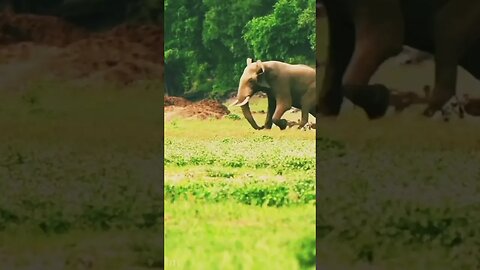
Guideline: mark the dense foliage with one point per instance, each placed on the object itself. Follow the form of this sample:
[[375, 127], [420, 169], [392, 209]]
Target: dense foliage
[[207, 42]]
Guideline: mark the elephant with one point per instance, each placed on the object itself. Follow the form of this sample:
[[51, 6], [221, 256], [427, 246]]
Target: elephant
[[286, 85], [365, 33]]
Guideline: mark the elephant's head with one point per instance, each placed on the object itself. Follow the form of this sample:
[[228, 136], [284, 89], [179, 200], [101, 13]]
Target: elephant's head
[[253, 79]]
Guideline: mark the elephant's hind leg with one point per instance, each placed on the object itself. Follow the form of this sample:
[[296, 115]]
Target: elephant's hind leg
[[307, 105]]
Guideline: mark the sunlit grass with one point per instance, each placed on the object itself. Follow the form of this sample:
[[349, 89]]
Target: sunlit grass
[[235, 236], [237, 198], [80, 174], [404, 194], [214, 129]]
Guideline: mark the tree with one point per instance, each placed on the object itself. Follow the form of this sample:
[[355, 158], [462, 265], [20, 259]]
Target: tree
[[222, 34], [287, 34], [207, 42], [183, 43]]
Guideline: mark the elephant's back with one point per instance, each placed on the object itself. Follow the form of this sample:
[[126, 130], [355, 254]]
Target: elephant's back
[[304, 69], [290, 69]]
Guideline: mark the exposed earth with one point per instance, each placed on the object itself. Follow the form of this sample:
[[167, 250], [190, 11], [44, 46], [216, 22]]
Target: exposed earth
[[179, 107], [204, 109], [34, 46]]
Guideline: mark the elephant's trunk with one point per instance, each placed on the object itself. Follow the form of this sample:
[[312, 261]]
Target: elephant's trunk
[[245, 92], [248, 115]]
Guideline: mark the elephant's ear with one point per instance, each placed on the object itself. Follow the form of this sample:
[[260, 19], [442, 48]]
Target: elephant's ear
[[262, 67], [249, 61]]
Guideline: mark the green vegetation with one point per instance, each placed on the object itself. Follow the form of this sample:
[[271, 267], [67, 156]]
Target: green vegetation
[[266, 30], [80, 177], [237, 236], [236, 198], [399, 197], [239, 199]]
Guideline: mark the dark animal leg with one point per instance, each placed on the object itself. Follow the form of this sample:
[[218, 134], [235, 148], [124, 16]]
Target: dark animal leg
[[307, 104], [277, 116], [456, 32], [271, 109], [340, 49], [375, 42], [377, 38], [445, 79], [461, 112]]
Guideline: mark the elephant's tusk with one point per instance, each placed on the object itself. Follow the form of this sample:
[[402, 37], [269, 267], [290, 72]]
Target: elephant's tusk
[[243, 102], [235, 102]]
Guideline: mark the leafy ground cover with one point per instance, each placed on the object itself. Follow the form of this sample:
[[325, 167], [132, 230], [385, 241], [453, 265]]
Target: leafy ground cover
[[403, 195], [80, 177], [236, 198]]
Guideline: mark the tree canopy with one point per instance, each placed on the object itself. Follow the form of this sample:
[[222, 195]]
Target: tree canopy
[[207, 42]]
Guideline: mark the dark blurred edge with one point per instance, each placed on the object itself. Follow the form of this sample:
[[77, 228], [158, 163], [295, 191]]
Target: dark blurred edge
[[320, 12], [93, 15]]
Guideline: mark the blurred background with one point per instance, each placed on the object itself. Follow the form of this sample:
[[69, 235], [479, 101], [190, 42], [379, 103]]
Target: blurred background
[[80, 40], [81, 126]]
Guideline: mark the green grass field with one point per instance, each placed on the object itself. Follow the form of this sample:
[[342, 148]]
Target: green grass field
[[404, 192], [237, 198], [397, 193], [80, 175]]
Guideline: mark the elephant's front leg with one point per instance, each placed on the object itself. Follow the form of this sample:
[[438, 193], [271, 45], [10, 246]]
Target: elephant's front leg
[[373, 45], [340, 50], [277, 115], [270, 111]]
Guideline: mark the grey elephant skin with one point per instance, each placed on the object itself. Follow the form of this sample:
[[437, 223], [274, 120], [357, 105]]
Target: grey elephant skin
[[286, 85], [364, 33]]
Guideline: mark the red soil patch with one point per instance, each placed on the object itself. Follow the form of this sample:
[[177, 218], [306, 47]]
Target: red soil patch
[[45, 30], [203, 109], [125, 54], [176, 101]]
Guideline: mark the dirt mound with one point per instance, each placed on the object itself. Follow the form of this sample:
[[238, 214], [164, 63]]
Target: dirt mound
[[203, 109], [176, 101], [21, 51], [150, 36], [108, 58], [45, 30], [123, 55]]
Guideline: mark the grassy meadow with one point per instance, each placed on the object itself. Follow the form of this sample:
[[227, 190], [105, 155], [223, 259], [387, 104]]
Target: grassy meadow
[[80, 175], [402, 195], [404, 191], [396, 193], [81, 170], [236, 198]]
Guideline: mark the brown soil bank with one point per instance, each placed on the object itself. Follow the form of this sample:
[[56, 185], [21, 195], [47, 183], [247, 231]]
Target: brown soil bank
[[124, 54], [203, 109]]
